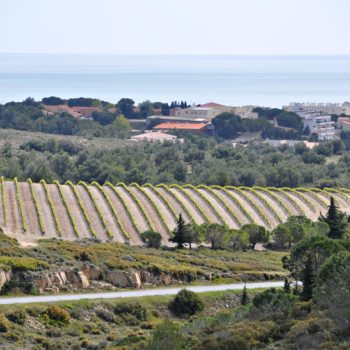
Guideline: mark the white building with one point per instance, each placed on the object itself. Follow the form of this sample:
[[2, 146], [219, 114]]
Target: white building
[[323, 108], [209, 111], [322, 125]]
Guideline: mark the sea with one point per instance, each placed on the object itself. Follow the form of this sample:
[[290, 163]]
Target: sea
[[235, 80]]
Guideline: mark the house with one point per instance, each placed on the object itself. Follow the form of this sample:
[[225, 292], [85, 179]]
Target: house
[[189, 127], [323, 108]]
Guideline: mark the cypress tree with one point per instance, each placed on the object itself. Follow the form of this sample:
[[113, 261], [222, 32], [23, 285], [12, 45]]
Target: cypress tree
[[244, 297], [308, 280], [179, 236], [336, 221]]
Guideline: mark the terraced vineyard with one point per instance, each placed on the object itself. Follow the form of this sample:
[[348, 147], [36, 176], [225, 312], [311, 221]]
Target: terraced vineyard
[[31, 211]]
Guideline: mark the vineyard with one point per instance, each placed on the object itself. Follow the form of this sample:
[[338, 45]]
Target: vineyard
[[31, 211]]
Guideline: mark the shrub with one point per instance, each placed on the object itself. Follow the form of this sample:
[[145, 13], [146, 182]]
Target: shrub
[[5, 325], [105, 314], [17, 316], [59, 314], [133, 309], [152, 239], [186, 303]]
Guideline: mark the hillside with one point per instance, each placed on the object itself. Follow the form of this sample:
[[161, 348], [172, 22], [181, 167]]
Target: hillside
[[31, 211]]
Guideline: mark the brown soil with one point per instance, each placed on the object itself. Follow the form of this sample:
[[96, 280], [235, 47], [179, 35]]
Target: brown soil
[[14, 222]]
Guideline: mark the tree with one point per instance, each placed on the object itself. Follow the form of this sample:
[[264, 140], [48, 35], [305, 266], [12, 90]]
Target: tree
[[216, 234], [122, 125], [318, 248], [152, 239], [165, 110], [126, 107], [186, 303], [256, 233], [237, 239], [227, 125], [282, 236], [179, 234], [167, 335], [332, 292], [193, 234], [308, 280], [244, 297], [336, 220]]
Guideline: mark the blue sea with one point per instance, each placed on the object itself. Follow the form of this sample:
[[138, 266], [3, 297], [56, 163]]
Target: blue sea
[[235, 80]]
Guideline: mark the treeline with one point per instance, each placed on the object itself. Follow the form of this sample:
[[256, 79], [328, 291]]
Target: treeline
[[200, 160]]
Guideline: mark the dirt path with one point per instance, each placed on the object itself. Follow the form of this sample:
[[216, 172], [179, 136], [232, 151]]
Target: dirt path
[[29, 210], [67, 229], [133, 208], [191, 208], [229, 220], [319, 207], [107, 214], [230, 203], [248, 207], [124, 216], [46, 214], [281, 212], [167, 214], [174, 203], [92, 213], [152, 214], [13, 214], [79, 219]]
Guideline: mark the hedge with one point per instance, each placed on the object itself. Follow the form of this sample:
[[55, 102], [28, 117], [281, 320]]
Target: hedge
[[20, 205]]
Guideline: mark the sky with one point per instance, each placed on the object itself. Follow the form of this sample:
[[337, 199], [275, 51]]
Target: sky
[[232, 27]]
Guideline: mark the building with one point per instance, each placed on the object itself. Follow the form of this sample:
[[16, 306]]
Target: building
[[323, 108], [322, 125], [190, 127], [155, 136], [290, 143], [343, 123], [210, 110]]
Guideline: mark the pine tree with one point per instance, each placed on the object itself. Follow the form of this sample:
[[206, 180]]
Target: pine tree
[[286, 286], [180, 235], [308, 280], [336, 221], [244, 297]]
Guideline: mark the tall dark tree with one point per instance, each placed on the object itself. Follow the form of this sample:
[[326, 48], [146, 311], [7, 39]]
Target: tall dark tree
[[308, 280], [179, 234], [126, 107], [244, 297], [336, 221]]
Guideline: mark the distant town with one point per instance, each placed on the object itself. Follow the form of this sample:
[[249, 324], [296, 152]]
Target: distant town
[[159, 122]]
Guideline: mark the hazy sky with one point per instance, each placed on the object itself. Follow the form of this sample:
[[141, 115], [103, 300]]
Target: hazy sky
[[175, 26]]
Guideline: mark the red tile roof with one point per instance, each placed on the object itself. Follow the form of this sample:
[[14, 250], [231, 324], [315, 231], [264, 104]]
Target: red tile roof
[[181, 126]]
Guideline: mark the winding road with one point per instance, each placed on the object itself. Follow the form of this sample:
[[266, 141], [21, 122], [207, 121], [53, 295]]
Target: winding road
[[134, 294]]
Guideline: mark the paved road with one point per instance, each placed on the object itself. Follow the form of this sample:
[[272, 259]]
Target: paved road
[[133, 294]]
